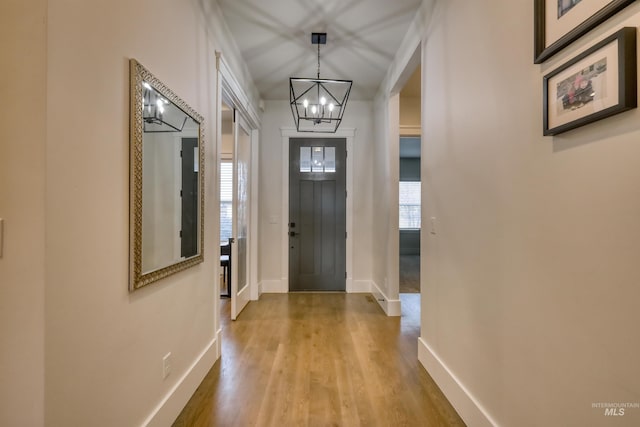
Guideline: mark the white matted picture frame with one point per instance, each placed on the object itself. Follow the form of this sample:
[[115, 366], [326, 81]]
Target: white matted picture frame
[[598, 83], [558, 23]]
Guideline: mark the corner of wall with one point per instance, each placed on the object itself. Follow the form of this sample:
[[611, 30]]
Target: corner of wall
[[464, 403], [175, 400], [392, 308]]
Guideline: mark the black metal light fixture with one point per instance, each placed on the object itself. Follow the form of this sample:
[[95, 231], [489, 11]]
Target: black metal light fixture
[[318, 104], [160, 114]]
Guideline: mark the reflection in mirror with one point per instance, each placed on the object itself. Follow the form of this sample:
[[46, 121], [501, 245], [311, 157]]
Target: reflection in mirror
[[166, 181]]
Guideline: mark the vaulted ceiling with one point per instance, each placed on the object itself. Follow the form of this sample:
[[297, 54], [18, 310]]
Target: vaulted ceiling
[[274, 37]]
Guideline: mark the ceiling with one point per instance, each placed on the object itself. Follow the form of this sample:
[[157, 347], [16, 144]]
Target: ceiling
[[274, 38]]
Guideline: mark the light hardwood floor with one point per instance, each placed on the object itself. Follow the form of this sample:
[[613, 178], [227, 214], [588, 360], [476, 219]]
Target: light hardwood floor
[[305, 359]]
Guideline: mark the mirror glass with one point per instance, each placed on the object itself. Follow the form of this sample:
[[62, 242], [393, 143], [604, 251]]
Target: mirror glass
[[167, 177]]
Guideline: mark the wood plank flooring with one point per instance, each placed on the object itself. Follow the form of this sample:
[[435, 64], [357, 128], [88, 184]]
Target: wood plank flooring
[[309, 359], [409, 274]]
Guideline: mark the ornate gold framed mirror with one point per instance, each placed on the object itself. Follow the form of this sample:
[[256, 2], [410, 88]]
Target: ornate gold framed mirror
[[166, 218]]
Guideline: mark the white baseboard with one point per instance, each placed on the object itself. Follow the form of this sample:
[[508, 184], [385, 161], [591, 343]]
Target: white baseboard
[[394, 308], [174, 401], [391, 307], [464, 403], [281, 286], [218, 344], [359, 286]]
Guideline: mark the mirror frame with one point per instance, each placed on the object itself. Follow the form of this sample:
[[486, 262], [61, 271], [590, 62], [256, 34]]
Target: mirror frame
[[137, 278]]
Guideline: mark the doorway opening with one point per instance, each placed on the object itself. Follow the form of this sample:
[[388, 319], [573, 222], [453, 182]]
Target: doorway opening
[[235, 208], [226, 199], [317, 214], [409, 214], [347, 135], [409, 190]]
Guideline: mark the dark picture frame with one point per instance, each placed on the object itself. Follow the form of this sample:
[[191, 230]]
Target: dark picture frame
[[543, 49], [587, 88]]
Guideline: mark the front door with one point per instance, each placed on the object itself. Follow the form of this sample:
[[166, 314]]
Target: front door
[[317, 218]]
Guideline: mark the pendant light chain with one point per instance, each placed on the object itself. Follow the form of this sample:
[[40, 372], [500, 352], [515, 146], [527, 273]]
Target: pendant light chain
[[318, 60]]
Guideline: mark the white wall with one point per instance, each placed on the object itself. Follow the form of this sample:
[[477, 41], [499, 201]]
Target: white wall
[[104, 345], [386, 154], [530, 286], [22, 184], [384, 229], [277, 114], [409, 112]]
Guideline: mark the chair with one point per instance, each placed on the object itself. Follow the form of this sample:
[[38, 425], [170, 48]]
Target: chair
[[225, 263]]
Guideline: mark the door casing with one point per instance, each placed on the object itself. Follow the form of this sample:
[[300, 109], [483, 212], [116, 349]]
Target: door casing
[[349, 135], [327, 266]]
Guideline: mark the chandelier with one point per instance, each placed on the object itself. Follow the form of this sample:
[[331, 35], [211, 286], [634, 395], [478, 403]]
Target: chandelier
[[160, 114], [318, 104]]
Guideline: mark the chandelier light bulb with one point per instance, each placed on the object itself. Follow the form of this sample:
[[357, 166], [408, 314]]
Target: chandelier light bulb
[[331, 106], [305, 103], [313, 109], [323, 100]]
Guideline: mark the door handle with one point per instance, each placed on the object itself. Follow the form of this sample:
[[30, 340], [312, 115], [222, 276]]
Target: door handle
[[293, 234]]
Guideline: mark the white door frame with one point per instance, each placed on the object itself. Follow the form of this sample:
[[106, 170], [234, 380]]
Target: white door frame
[[229, 89], [344, 133]]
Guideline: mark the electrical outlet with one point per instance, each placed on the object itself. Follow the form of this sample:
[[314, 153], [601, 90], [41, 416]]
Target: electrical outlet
[[166, 365]]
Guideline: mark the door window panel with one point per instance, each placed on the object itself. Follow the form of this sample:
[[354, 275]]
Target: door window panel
[[305, 159], [318, 159]]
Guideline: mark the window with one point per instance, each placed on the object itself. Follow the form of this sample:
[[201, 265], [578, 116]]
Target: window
[[226, 200], [317, 159], [409, 205]]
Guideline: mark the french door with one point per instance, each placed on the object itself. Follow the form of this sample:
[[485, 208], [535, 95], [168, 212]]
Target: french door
[[240, 293]]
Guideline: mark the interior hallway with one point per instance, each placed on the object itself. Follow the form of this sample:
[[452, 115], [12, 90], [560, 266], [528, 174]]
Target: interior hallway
[[319, 359]]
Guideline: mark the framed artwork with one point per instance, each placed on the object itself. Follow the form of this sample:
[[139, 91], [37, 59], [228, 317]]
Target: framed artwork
[[596, 84], [560, 22]]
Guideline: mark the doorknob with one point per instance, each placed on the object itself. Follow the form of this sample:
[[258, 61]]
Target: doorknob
[[293, 233]]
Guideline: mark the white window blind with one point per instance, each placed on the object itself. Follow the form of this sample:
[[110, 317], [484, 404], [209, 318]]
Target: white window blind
[[409, 205], [226, 200]]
